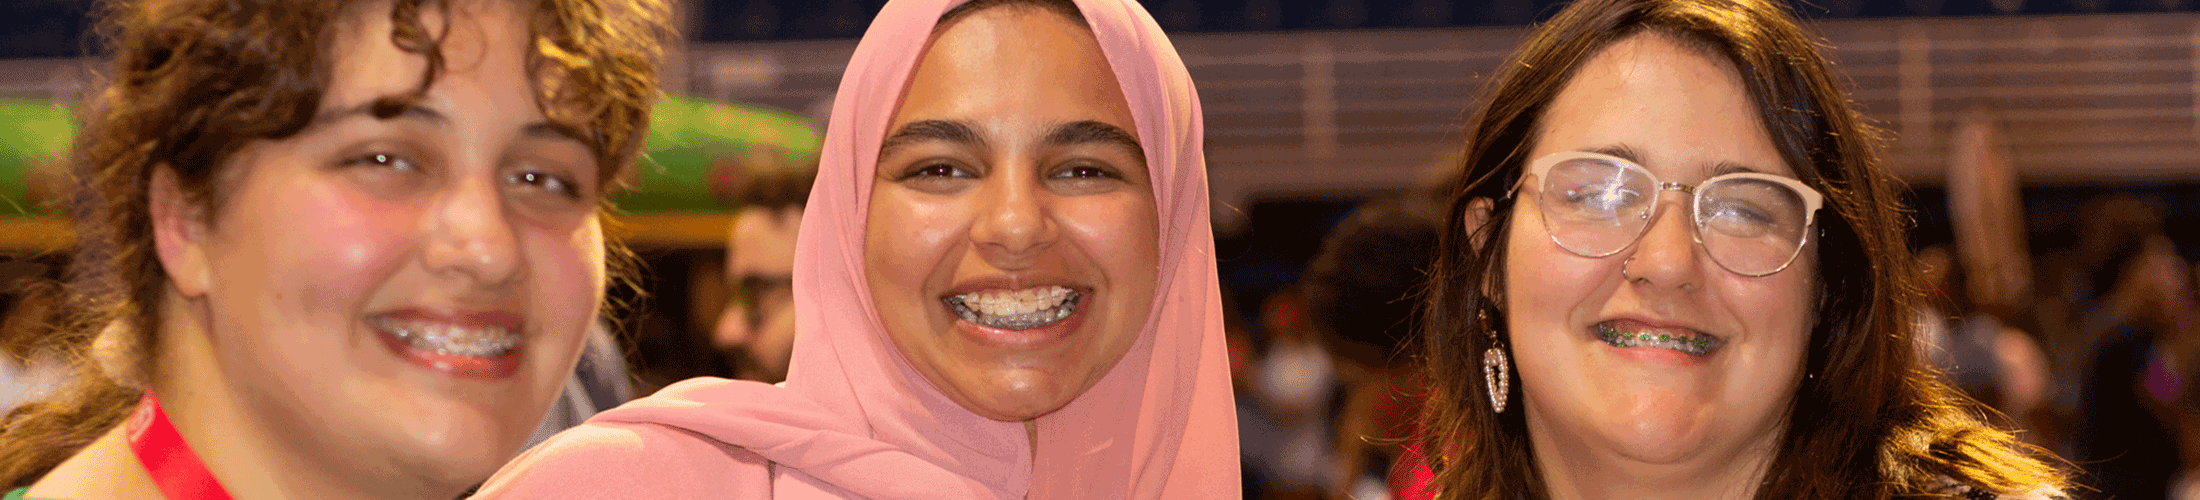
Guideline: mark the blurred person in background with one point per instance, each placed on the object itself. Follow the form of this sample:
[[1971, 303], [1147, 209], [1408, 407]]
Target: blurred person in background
[[333, 249], [2074, 307], [2139, 368], [1697, 267], [1979, 353], [756, 328], [1360, 292], [1985, 339], [1288, 413], [1987, 216], [1005, 287], [2119, 228]]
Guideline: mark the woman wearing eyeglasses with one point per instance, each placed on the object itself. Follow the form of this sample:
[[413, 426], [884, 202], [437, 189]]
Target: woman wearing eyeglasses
[[1691, 282]]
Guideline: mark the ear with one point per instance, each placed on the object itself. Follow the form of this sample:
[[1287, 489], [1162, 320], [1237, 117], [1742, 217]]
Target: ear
[[1477, 217], [1476, 221], [179, 234]]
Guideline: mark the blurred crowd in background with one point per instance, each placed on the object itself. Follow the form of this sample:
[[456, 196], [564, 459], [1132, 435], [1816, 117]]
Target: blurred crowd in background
[[2070, 308]]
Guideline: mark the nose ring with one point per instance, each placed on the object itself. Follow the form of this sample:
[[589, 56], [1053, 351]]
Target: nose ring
[[1623, 271]]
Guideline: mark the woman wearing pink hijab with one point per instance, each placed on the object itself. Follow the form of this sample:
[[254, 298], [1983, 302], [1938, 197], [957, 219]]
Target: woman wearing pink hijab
[[1005, 287]]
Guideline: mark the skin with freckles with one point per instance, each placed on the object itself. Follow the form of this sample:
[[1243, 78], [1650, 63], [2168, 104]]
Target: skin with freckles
[[1012, 163], [1641, 422], [464, 209]]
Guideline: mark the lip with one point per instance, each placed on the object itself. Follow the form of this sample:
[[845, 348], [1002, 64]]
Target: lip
[[1025, 339], [1653, 354], [467, 367]]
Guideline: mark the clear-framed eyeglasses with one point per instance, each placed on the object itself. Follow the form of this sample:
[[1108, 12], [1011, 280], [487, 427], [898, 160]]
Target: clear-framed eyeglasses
[[1751, 224]]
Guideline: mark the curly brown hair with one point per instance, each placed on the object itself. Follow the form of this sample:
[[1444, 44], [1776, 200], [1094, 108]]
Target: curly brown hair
[[192, 82], [1871, 420]]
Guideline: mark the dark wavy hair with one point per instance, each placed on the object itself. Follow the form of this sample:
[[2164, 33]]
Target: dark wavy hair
[[1869, 421], [192, 82]]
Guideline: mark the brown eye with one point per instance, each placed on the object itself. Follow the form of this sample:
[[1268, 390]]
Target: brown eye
[[543, 181], [1086, 172], [383, 160], [936, 170]]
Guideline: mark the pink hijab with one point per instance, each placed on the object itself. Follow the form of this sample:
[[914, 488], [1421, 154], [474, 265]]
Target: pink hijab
[[854, 419]]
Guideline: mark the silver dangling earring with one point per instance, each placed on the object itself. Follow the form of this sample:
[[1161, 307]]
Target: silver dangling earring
[[1496, 368]]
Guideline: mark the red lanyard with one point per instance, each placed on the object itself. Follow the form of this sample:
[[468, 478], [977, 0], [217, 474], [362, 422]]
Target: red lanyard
[[161, 450]]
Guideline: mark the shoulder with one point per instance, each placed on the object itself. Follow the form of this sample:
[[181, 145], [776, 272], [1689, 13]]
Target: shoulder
[[611, 459]]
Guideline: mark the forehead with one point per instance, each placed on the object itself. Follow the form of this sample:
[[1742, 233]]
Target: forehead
[[485, 42], [1684, 111], [762, 241], [1015, 63]]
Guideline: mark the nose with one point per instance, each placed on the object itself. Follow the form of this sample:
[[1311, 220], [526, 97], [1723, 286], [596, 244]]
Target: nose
[[1012, 225], [1665, 256], [733, 327], [469, 237]]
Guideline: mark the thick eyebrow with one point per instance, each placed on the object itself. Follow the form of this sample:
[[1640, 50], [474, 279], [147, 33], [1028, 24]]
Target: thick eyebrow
[[1090, 132], [556, 131], [1728, 167], [930, 131], [1623, 151], [388, 108], [1629, 153], [384, 108]]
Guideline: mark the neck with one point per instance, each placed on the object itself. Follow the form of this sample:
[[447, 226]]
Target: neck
[[1574, 471], [1031, 432], [252, 458], [104, 469]]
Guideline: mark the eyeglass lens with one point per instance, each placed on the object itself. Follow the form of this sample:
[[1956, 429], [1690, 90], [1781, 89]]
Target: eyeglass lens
[[1595, 208]]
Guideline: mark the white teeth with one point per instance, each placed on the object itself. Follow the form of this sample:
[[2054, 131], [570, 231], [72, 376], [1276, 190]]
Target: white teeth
[[1015, 310], [445, 338]]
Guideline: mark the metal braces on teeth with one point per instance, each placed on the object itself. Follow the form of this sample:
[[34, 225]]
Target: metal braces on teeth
[[1025, 321], [1692, 345], [453, 341]]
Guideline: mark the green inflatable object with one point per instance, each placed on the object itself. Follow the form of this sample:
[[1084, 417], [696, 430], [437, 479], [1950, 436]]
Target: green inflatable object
[[697, 150], [34, 144]]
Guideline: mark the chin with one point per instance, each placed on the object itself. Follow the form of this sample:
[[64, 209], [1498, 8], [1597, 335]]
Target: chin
[[466, 455], [1017, 397], [1658, 445], [463, 441]]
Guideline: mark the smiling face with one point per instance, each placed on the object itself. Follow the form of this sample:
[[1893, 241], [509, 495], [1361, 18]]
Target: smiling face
[[1012, 244], [1685, 118], [404, 288]]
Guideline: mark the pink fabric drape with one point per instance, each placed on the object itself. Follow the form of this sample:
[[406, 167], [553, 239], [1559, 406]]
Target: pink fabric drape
[[856, 420]]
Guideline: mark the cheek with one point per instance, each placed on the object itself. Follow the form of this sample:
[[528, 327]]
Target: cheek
[[908, 237], [1119, 238], [568, 267], [1539, 273], [1122, 233], [1784, 302], [332, 245], [295, 263], [1787, 304], [565, 289]]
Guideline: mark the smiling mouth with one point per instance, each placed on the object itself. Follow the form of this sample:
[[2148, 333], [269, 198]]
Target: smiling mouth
[[1684, 341], [448, 339], [1015, 310]]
